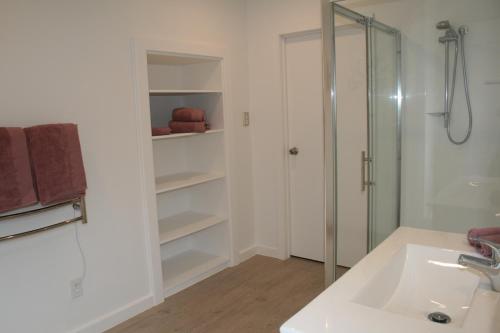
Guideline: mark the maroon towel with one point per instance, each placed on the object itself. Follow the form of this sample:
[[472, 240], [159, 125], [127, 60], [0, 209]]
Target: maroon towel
[[474, 233], [187, 127], [188, 114], [16, 189], [56, 160], [157, 131]]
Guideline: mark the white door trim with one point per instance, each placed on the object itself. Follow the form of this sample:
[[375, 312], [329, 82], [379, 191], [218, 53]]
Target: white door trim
[[284, 241]]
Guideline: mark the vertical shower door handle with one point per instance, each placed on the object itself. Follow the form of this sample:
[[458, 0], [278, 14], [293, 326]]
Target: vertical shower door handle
[[365, 179]]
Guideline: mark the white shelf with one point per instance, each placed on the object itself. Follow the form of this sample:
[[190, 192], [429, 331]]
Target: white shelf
[[182, 92], [185, 179], [184, 224], [183, 135], [188, 268], [157, 58]]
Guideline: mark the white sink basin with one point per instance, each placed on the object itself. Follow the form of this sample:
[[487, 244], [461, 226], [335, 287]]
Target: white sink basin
[[394, 288], [420, 280]]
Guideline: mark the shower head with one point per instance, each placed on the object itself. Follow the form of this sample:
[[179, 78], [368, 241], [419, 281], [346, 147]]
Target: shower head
[[443, 25]]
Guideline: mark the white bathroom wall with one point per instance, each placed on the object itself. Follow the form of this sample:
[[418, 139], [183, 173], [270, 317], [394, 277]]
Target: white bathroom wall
[[266, 21], [69, 61], [447, 187]]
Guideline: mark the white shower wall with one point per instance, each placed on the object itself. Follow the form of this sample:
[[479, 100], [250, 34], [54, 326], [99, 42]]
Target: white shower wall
[[447, 187]]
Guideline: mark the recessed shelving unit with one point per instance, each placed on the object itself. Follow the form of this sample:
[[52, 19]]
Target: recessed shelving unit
[[191, 183]]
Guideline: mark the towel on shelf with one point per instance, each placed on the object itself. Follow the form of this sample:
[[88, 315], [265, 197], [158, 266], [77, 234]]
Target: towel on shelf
[[158, 131], [187, 127], [188, 114], [16, 190], [57, 163], [474, 233]]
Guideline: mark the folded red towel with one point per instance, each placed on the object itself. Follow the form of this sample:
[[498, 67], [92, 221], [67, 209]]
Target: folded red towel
[[157, 131], [57, 163], [187, 127], [16, 190], [474, 233], [188, 114]]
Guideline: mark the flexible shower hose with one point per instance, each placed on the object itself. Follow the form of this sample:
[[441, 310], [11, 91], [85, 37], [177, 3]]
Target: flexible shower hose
[[467, 95]]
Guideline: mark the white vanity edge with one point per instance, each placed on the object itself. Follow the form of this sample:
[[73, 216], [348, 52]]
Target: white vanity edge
[[334, 312]]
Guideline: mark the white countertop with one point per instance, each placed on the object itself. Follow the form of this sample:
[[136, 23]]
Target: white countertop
[[333, 311]]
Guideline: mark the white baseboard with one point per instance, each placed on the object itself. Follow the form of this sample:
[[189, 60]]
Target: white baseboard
[[262, 250], [269, 252], [116, 316], [132, 309], [247, 253]]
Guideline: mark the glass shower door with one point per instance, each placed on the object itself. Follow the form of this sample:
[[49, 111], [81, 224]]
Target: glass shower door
[[362, 135], [384, 151]]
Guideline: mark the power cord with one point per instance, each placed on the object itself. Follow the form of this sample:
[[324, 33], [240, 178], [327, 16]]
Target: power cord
[[82, 254]]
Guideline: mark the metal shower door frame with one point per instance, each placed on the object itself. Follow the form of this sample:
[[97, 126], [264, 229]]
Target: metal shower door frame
[[329, 9], [371, 25]]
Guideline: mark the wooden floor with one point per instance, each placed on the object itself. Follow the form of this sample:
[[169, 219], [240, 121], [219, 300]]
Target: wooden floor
[[256, 296], [341, 270]]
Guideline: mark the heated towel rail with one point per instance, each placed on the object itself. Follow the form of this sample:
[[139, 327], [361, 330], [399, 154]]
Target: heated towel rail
[[78, 204]]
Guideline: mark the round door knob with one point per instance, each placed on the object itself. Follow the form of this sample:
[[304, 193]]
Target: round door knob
[[294, 151]]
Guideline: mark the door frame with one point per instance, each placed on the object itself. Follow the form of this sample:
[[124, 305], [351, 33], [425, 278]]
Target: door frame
[[285, 240]]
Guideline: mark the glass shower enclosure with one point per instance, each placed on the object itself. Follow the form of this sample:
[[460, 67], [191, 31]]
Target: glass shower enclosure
[[362, 105]]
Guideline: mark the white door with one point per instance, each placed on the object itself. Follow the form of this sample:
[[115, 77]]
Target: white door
[[305, 143]]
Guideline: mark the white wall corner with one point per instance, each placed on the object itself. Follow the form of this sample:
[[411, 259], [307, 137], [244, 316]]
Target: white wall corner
[[247, 253], [268, 251], [262, 250]]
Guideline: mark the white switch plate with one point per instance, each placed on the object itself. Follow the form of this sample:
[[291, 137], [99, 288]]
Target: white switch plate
[[246, 119]]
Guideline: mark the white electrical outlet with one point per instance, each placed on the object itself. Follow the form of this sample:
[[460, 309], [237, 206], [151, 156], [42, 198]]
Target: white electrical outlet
[[76, 286]]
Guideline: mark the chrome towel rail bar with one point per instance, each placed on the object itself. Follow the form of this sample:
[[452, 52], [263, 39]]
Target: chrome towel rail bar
[[78, 204]]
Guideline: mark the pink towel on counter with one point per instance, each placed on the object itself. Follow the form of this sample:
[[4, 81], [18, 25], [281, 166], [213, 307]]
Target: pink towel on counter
[[56, 160], [474, 233], [158, 131], [188, 114], [16, 189], [188, 127]]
